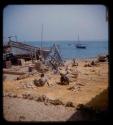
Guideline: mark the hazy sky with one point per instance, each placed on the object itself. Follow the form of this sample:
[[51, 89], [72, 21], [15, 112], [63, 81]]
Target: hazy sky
[[60, 22]]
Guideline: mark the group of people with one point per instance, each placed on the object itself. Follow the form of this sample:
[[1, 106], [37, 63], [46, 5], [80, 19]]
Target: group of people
[[64, 79]]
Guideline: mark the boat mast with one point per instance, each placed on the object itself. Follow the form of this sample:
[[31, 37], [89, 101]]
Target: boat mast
[[78, 37], [41, 39]]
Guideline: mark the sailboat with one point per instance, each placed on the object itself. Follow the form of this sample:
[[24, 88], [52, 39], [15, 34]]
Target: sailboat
[[80, 46]]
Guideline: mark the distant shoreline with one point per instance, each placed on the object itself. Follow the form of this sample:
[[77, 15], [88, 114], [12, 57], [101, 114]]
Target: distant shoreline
[[88, 58]]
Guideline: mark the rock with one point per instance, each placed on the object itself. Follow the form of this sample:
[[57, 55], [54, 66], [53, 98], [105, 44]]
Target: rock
[[7, 94], [87, 65], [21, 118], [41, 98], [20, 96], [80, 106], [10, 94], [28, 86], [25, 96], [102, 58], [35, 98], [15, 95], [30, 97], [80, 84], [56, 102], [36, 82], [23, 76], [69, 104], [71, 88]]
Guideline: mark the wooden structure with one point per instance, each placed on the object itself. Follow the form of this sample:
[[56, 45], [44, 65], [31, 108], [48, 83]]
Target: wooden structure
[[5, 71], [34, 51], [54, 58]]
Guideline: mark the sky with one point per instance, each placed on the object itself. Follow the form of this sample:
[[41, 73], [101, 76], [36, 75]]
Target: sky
[[60, 22]]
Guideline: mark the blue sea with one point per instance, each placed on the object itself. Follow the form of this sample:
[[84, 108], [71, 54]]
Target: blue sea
[[69, 51]]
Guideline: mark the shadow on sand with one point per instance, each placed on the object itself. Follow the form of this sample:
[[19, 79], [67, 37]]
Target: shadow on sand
[[96, 109]]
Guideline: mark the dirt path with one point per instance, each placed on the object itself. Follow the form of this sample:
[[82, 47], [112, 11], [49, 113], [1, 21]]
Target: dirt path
[[24, 110]]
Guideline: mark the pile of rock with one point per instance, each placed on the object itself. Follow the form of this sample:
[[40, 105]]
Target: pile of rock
[[10, 94], [42, 98], [69, 104], [74, 88], [25, 85], [92, 63], [28, 96], [56, 102], [26, 75], [22, 76], [40, 67], [102, 58]]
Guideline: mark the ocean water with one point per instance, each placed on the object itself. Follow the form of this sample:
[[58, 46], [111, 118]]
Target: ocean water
[[69, 51]]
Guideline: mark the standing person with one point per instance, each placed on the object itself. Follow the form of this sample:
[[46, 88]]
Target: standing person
[[56, 69], [74, 63]]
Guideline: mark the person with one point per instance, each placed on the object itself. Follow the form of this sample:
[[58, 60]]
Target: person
[[74, 63], [55, 69], [67, 69], [42, 81], [64, 79]]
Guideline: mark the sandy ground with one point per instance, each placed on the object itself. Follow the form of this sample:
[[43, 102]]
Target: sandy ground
[[91, 81], [34, 111]]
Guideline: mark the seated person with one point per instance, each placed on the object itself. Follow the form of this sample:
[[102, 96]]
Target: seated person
[[64, 79], [41, 81]]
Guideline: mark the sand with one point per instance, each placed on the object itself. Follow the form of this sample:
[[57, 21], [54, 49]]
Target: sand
[[25, 110], [91, 82]]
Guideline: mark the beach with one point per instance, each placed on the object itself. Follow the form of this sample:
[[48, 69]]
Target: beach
[[91, 81], [56, 64]]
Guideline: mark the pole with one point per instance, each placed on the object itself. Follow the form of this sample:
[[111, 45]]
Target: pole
[[41, 39]]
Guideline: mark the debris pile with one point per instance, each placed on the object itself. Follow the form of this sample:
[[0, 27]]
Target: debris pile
[[102, 58], [24, 85], [69, 104], [92, 63], [42, 98]]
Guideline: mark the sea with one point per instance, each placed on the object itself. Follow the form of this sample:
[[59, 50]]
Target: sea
[[68, 49]]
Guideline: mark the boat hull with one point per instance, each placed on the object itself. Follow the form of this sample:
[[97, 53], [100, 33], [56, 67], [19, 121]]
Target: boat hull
[[81, 47]]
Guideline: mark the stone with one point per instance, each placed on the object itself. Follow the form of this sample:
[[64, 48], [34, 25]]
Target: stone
[[35, 98], [10, 94], [30, 97], [15, 95], [21, 118], [56, 102], [69, 104]]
